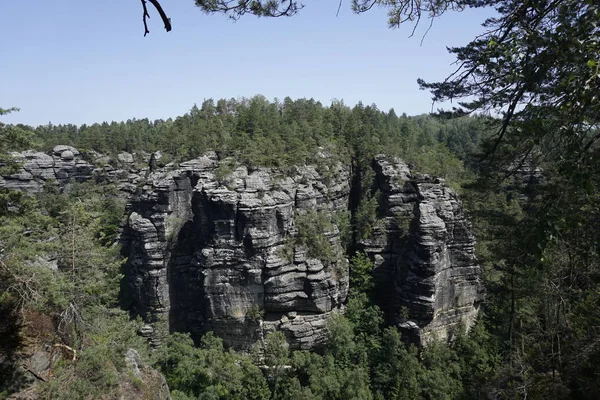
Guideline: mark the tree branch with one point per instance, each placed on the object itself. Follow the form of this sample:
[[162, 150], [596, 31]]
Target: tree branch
[[166, 20]]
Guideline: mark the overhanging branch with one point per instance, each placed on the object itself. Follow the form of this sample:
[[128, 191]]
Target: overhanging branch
[[166, 20]]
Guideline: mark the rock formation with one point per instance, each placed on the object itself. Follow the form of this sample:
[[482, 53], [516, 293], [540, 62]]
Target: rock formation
[[427, 276], [214, 246], [65, 164], [36, 168], [220, 253]]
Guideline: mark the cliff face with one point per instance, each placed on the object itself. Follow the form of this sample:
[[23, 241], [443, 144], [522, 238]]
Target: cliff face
[[212, 246], [62, 164], [65, 164], [221, 255], [427, 276]]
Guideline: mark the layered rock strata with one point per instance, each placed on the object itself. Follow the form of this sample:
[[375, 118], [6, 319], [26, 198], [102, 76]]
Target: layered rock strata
[[212, 250], [427, 276], [213, 246], [65, 164]]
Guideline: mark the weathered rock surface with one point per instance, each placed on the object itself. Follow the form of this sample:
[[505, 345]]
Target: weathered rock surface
[[218, 254], [65, 164], [427, 276], [36, 168], [212, 247]]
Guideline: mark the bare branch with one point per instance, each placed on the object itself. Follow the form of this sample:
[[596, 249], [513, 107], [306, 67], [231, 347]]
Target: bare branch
[[166, 20], [144, 16]]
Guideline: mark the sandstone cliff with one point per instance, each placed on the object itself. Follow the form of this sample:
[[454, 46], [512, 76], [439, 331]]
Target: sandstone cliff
[[64, 163], [213, 246], [222, 255], [427, 276]]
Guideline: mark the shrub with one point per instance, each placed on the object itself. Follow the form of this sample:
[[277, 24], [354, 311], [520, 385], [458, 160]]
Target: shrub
[[254, 313], [311, 233]]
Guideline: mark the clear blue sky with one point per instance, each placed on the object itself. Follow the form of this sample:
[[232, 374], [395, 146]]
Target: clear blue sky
[[81, 61]]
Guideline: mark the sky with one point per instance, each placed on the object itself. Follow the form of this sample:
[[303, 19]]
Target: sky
[[81, 61]]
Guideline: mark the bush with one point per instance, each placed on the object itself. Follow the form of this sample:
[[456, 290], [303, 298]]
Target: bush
[[361, 274], [209, 370], [344, 225], [254, 313], [311, 233], [365, 216]]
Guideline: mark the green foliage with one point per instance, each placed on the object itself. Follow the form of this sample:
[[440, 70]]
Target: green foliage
[[79, 228], [437, 160], [254, 313], [361, 270], [403, 222], [313, 227], [479, 359], [287, 250], [294, 132], [12, 138], [27, 236], [100, 362], [365, 216], [342, 219], [396, 375], [440, 378], [55, 262], [208, 370], [364, 361], [539, 62], [224, 170], [536, 66]]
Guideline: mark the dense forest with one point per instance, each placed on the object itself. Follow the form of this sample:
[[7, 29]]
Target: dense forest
[[536, 335], [294, 131]]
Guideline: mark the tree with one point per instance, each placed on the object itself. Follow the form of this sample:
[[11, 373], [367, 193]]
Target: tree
[[537, 64], [536, 70], [261, 8], [208, 371], [11, 138], [399, 11], [536, 67]]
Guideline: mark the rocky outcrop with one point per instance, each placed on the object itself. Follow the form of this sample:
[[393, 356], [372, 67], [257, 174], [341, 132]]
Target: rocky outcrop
[[213, 247], [35, 168], [66, 164], [215, 251], [427, 276]]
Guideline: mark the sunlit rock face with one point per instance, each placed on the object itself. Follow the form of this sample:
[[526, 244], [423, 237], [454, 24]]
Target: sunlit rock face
[[36, 168], [212, 246], [427, 276], [64, 165], [217, 254], [214, 255]]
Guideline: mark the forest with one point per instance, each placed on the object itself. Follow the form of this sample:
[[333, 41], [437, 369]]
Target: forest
[[521, 150], [512, 347]]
